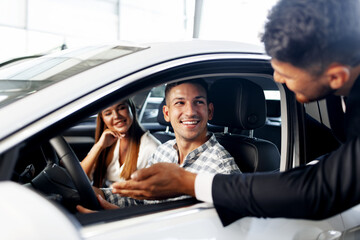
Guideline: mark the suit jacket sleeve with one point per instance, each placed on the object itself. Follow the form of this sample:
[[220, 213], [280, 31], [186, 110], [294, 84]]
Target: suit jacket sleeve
[[310, 192]]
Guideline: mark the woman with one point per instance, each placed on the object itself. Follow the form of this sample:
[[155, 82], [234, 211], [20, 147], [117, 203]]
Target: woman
[[121, 145]]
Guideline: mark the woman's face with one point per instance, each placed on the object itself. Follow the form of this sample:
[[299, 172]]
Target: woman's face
[[118, 117]]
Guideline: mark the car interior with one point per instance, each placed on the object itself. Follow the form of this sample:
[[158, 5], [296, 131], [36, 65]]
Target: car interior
[[247, 122], [241, 105], [240, 111]]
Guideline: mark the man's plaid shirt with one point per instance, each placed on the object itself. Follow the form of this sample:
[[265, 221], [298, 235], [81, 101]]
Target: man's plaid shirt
[[210, 157]]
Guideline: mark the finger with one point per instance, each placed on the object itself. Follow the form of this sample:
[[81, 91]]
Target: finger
[[112, 133], [137, 194], [115, 135], [81, 209], [127, 185], [105, 204], [129, 189], [144, 173], [154, 170], [143, 194]]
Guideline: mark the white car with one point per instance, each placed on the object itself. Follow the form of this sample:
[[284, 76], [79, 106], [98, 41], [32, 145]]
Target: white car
[[47, 106]]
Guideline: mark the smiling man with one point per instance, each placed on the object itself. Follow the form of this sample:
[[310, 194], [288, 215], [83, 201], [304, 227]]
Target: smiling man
[[194, 149], [188, 111]]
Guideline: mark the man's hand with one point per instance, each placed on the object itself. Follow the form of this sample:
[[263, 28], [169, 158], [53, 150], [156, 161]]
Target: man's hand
[[103, 203], [159, 181]]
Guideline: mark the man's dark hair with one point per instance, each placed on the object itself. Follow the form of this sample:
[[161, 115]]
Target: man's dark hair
[[312, 34], [198, 81]]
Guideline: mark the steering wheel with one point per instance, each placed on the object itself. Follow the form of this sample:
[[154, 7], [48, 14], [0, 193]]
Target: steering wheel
[[71, 163]]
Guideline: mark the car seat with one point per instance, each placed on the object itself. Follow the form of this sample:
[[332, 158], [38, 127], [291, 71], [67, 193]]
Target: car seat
[[163, 136], [240, 104]]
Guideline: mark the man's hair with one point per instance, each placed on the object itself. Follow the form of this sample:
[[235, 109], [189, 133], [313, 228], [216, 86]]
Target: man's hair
[[198, 81], [312, 34]]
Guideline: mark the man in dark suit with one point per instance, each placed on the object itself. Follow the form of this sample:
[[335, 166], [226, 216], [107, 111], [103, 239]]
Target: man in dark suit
[[315, 52]]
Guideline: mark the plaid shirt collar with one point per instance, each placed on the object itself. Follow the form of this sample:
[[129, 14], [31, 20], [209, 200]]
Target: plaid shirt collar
[[194, 155]]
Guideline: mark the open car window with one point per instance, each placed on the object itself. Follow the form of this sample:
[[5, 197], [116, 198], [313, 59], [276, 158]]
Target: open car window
[[80, 137]]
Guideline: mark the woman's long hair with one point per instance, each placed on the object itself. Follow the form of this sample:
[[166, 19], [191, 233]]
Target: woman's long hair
[[130, 163]]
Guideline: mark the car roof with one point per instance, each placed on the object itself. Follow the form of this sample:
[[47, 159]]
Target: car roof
[[23, 112]]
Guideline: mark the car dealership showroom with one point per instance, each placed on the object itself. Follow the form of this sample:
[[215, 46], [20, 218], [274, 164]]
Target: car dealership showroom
[[101, 98]]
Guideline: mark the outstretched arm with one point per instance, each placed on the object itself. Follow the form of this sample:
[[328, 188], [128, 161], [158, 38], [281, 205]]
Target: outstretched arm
[[159, 181], [312, 192]]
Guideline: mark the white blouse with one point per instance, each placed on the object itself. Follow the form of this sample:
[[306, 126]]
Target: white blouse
[[148, 144]]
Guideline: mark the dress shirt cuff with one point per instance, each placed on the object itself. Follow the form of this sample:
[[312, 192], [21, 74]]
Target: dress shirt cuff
[[203, 187]]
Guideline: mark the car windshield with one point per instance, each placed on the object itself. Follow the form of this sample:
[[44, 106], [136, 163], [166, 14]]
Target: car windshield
[[29, 77]]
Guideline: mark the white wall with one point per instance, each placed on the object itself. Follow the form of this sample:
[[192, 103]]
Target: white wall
[[241, 20], [36, 26]]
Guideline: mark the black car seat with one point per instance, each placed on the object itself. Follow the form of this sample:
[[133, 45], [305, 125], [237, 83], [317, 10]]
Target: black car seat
[[163, 136], [240, 104], [271, 131]]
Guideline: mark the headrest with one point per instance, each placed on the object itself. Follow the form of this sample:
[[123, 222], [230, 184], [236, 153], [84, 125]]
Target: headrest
[[238, 103], [160, 116]]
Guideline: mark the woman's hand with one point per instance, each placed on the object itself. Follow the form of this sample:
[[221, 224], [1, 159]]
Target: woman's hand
[[108, 138], [103, 203]]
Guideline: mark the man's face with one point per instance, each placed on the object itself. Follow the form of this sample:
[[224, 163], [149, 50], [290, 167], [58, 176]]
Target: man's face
[[307, 87], [187, 110]]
